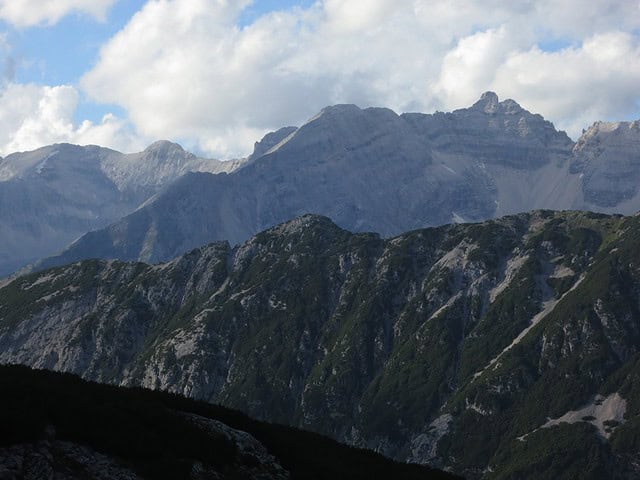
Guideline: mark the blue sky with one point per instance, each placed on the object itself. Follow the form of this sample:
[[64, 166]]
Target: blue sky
[[61, 53], [216, 75]]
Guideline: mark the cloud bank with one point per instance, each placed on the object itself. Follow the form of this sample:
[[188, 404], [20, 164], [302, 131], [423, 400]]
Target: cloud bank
[[185, 69], [33, 115]]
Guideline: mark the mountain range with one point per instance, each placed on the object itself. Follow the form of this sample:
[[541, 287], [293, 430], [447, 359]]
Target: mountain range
[[55, 194], [507, 349], [493, 344], [373, 170]]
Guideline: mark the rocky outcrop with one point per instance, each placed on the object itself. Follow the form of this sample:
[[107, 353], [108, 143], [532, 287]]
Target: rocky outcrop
[[607, 159]]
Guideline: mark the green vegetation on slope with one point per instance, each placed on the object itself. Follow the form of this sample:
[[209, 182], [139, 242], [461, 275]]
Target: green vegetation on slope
[[422, 347]]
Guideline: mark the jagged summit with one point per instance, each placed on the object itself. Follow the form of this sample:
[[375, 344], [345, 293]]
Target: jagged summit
[[271, 141], [490, 103], [623, 134], [347, 163], [632, 127], [368, 169], [607, 156], [57, 193]]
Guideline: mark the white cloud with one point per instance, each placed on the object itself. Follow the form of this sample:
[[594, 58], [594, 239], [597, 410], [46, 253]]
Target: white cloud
[[183, 69], [33, 115], [27, 13], [577, 85], [472, 64], [573, 86]]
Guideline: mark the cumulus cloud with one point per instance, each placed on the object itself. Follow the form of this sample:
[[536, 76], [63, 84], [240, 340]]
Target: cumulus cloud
[[573, 86], [577, 85], [184, 69], [33, 115], [27, 13], [187, 71]]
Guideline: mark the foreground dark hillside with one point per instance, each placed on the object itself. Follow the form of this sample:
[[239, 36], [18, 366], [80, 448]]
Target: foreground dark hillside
[[57, 423], [508, 349]]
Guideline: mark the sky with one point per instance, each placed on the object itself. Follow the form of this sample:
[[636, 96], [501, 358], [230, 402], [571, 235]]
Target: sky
[[216, 75]]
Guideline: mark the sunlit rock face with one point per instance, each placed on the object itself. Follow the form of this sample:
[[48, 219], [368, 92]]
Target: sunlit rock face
[[55, 194], [371, 170], [607, 158]]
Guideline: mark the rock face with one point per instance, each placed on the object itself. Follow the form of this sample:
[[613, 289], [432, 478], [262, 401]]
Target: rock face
[[373, 170], [454, 345], [607, 158], [53, 195], [367, 170]]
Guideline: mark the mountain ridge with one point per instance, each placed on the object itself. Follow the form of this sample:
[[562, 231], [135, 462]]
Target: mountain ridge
[[53, 195], [453, 346], [369, 170]]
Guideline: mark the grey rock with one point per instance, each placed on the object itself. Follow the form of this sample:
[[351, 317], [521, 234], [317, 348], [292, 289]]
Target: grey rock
[[55, 194], [368, 170], [607, 159]]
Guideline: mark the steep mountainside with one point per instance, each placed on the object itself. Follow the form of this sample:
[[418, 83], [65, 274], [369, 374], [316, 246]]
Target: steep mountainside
[[607, 158], [501, 350], [89, 431], [53, 195], [367, 170], [373, 170]]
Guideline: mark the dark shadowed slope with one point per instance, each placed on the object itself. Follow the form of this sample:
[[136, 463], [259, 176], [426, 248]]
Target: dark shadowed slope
[[58, 425]]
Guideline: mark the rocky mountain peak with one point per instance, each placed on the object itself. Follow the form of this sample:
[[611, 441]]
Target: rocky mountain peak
[[271, 140], [351, 120], [606, 157], [618, 133], [304, 223], [164, 148], [604, 128], [511, 107], [490, 103], [339, 109], [303, 235]]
